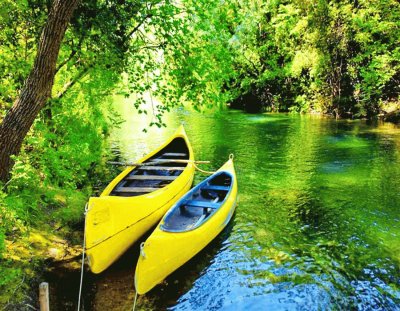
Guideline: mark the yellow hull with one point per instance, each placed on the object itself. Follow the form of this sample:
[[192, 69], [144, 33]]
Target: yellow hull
[[114, 223], [164, 252]]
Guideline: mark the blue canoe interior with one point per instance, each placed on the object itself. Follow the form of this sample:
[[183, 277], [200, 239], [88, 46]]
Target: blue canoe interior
[[199, 204]]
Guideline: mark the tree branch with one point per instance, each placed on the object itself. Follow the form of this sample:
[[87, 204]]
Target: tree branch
[[73, 53], [139, 25], [67, 86]]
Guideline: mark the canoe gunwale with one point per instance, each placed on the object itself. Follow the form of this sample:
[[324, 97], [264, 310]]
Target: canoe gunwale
[[182, 200]]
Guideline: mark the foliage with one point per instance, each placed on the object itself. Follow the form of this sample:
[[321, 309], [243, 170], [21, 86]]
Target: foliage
[[180, 57], [326, 56]]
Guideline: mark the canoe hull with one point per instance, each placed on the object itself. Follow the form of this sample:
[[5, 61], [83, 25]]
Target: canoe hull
[[109, 250], [114, 223], [164, 252]]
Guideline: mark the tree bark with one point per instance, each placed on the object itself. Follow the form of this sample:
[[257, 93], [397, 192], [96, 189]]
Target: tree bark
[[37, 87]]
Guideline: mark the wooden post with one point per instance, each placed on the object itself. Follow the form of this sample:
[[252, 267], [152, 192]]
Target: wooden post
[[44, 296]]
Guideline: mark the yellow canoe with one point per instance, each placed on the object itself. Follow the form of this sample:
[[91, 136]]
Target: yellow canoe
[[193, 222], [136, 200]]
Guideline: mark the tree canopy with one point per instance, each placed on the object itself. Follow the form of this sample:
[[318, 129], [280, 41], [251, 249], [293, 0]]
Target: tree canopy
[[339, 57]]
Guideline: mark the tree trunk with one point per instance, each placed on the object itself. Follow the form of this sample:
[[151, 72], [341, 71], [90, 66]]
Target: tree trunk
[[37, 87]]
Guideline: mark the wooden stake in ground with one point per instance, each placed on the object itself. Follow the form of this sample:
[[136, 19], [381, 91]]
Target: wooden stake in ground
[[44, 296]]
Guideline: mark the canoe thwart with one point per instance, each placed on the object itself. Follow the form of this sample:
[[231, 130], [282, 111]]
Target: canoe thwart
[[203, 204], [135, 189], [162, 168], [158, 161], [216, 188], [169, 161], [174, 154], [150, 177]]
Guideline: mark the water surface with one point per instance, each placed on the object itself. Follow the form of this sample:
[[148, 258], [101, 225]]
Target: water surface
[[318, 221]]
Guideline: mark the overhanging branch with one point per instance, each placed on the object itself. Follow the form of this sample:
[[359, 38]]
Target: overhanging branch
[[67, 86]]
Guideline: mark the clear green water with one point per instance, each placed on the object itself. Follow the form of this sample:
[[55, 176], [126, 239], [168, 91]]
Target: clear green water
[[318, 221], [317, 226]]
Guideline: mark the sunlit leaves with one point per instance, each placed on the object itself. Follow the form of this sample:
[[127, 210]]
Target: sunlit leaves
[[336, 56]]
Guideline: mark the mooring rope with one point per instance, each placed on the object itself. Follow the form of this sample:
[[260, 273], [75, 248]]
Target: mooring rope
[[202, 171], [83, 259], [231, 156], [134, 303]]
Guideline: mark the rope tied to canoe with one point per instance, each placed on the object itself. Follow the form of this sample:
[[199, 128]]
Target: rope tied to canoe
[[202, 171], [83, 258], [142, 253], [134, 302], [231, 156]]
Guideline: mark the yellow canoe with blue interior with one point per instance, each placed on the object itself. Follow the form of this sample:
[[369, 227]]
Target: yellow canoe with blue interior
[[136, 200], [192, 223]]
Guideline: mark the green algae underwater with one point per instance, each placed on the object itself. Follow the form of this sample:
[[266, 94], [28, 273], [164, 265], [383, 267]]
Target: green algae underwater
[[317, 226]]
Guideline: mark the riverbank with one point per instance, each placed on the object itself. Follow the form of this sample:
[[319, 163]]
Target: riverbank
[[42, 228], [42, 205], [250, 103], [30, 255]]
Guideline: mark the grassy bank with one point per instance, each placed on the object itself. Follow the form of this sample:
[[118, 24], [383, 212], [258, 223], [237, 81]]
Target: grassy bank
[[35, 239], [62, 163]]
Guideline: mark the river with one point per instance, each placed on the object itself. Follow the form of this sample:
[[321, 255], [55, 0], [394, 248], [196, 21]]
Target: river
[[317, 226]]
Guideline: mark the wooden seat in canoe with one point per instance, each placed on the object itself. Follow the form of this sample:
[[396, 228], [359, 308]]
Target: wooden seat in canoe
[[216, 188], [162, 168], [203, 204], [135, 189], [150, 177], [174, 154]]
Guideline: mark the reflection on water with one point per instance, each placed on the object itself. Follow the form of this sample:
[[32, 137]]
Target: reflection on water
[[318, 221]]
